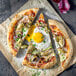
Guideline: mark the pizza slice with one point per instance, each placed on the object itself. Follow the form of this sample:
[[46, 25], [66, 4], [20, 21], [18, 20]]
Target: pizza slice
[[18, 29], [62, 42], [40, 53]]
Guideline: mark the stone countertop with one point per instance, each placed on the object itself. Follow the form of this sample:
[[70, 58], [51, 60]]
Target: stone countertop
[[8, 7]]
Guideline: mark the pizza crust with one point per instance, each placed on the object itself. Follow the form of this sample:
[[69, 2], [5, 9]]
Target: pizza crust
[[70, 53], [60, 26], [30, 48], [66, 36], [44, 66], [12, 25]]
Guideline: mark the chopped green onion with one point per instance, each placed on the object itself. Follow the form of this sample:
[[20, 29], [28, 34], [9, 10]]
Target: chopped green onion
[[16, 46], [34, 44], [17, 39], [44, 41], [22, 29], [42, 37], [40, 22], [30, 39], [15, 26], [19, 35], [23, 35]]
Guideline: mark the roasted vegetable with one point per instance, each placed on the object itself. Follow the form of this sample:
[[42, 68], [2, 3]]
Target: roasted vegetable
[[35, 52], [24, 46], [35, 58], [19, 27], [61, 50], [47, 52], [30, 48], [60, 40], [18, 44]]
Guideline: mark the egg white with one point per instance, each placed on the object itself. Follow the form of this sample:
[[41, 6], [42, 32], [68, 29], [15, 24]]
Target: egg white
[[42, 45]]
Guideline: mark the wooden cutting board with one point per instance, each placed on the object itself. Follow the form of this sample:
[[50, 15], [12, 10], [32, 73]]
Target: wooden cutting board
[[49, 12]]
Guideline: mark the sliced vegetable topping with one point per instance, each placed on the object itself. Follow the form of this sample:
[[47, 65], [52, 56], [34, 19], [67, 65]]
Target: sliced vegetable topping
[[34, 44], [24, 46]]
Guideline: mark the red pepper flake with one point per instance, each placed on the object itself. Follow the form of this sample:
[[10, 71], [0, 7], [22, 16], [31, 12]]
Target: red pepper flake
[[52, 58], [25, 57], [59, 33], [41, 21]]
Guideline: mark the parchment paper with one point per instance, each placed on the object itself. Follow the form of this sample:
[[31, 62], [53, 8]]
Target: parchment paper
[[16, 62]]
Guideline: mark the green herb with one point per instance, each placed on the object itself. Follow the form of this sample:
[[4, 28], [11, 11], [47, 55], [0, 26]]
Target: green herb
[[44, 41], [44, 72], [32, 70], [17, 39], [28, 35], [19, 35], [15, 26], [57, 64], [23, 30], [34, 44], [42, 37], [40, 22], [42, 28], [29, 23], [23, 35], [51, 46], [36, 74], [16, 46], [30, 39]]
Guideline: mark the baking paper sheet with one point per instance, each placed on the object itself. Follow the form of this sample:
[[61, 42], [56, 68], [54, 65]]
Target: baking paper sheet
[[16, 62]]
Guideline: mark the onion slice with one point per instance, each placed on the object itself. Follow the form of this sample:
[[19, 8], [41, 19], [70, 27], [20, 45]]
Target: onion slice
[[64, 6]]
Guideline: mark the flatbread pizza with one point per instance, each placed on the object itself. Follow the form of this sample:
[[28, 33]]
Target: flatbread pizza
[[36, 38], [62, 42], [19, 27], [40, 55]]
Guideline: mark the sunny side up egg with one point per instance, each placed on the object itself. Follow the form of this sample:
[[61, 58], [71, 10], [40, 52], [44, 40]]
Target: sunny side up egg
[[39, 36]]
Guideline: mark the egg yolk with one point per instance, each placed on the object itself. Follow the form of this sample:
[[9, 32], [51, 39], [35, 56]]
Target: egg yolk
[[38, 37], [30, 33]]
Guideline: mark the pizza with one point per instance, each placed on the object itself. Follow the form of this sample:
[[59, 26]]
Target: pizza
[[37, 38], [19, 27], [62, 42], [40, 55]]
